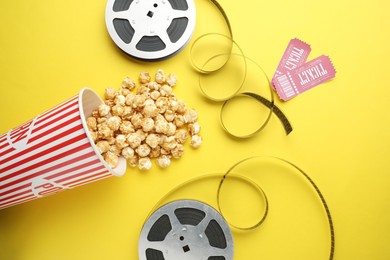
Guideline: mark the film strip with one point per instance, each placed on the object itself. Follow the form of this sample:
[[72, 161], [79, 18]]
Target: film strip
[[228, 53], [170, 233]]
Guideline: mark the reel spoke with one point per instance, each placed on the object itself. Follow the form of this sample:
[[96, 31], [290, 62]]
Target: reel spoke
[[201, 227], [135, 40], [120, 15], [165, 38], [157, 245], [178, 14]]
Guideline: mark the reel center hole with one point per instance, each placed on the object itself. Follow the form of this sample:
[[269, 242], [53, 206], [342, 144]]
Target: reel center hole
[[181, 238], [150, 14], [155, 5], [186, 248]]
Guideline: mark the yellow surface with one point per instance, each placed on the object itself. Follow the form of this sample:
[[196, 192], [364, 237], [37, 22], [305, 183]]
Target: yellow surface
[[49, 50]]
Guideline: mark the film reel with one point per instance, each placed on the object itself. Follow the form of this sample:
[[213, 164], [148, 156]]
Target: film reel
[[150, 30], [185, 230]]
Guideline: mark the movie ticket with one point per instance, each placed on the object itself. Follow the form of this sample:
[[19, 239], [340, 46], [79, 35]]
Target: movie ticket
[[304, 77]]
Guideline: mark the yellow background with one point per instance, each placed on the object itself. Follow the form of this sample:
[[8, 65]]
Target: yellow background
[[49, 50]]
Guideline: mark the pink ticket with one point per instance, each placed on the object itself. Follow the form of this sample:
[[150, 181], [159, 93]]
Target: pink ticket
[[295, 55], [304, 77]]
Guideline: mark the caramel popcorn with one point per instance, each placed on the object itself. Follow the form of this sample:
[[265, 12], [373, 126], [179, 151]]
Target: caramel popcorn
[[155, 152], [181, 106], [110, 93], [144, 163], [114, 122], [143, 123], [160, 76], [104, 132], [166, 91], [102, 146], [120, 100], [190, 116], [128, 83], [143, 90], [196, 141], [171, 80], [127, 152], [155, 94], [104, 110], [127, 113], [92, 123], [117, 110], [124, 91], [150, 110], [169, 115], [163, 161], [139, 101], [111, 159], [194, 128], [178, 151], [101, 120], [162, 104], [164, 152], [111, 140], [133, 161], [169, 143], [115, 150], [153, 140], [134, 140], [161, 125], [173, 105], [120, 141], [129, 99], [126, 127], [181, 136], [147, 124], [171, 129], [95, 114], [142, 134], [144, 77], [179, 121], [136, 120], [153, 86], [143, 150], [109, 103]]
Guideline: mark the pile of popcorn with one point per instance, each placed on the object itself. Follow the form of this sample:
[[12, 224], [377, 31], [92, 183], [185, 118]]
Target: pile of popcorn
[[143, 124]]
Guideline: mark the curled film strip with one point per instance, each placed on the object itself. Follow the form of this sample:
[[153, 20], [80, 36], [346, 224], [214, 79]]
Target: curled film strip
[[224, 56], [150, 30], [169, 229], [266, 98]]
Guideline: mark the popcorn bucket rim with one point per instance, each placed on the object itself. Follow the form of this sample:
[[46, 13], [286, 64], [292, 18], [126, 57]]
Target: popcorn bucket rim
[[121, 168]]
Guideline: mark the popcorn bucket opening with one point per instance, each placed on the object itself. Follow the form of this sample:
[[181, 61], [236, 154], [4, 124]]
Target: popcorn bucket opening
[[89, 101]]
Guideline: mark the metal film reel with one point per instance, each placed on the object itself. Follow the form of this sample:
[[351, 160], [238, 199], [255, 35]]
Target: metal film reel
[[185, 230], [150, 29]]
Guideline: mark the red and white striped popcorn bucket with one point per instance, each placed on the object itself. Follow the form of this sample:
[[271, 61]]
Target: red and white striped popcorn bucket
[[52, 152]]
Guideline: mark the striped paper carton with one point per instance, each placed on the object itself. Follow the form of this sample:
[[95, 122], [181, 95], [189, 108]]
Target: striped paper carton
[[52, 152]]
